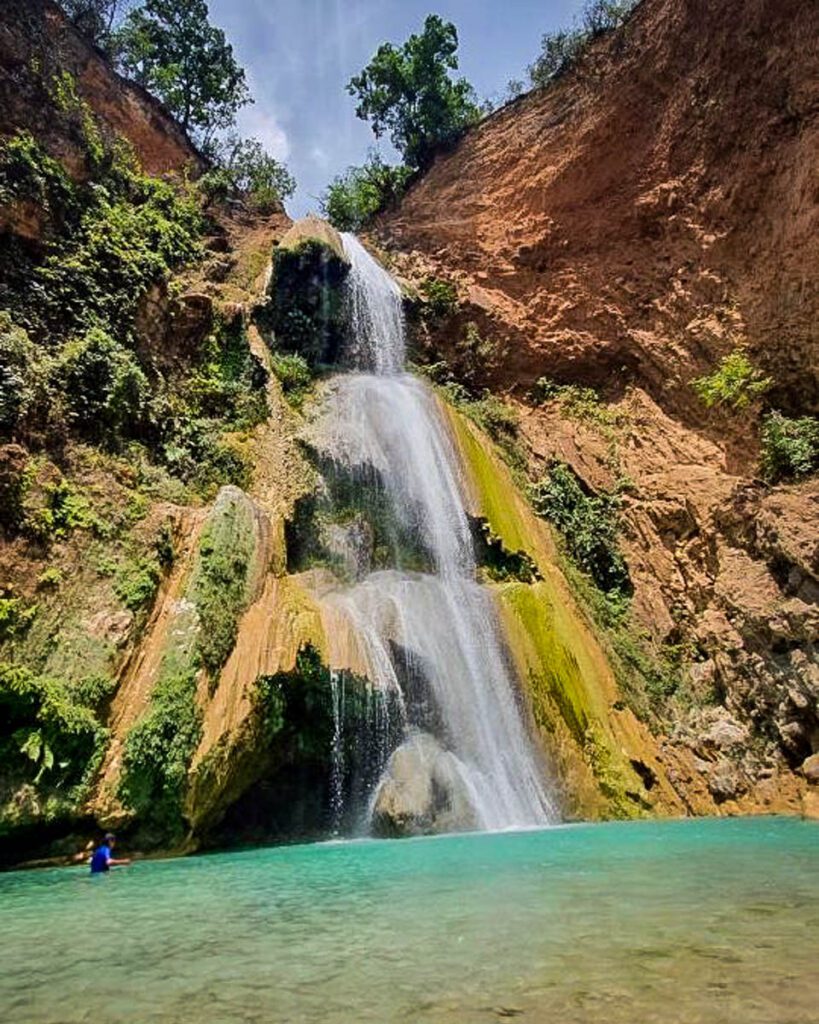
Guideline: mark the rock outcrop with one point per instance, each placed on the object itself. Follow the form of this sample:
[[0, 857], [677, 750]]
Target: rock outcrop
[[652, 209]]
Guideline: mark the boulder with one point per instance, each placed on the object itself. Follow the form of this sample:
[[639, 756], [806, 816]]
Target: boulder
[[810, 769], [422, 792]]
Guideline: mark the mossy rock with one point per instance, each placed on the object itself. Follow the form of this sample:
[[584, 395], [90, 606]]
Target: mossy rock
[[306, 304]]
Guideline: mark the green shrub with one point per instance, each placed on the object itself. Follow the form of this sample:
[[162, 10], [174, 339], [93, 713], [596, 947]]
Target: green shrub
[[576, 401], [228, 382], [589, 525], [790, 447], [28, 172], [440, 297], [50, 734], [560, 51], [50, 578], [735, 382], [23, 373], [15, 617], [136, 582], [294, 375], [59, 510], [352, 199], [106, 390], [158, 751]]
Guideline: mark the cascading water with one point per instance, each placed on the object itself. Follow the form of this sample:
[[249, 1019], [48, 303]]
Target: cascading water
[[437, 627]]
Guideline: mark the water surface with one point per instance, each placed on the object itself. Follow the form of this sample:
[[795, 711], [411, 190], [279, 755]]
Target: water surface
[[689, 921]]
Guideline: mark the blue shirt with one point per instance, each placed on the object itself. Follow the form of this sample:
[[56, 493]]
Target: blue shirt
[[99, 860]]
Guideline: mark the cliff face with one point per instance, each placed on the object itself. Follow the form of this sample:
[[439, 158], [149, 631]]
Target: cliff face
[[36, 44], [626, 229], [650, 209]]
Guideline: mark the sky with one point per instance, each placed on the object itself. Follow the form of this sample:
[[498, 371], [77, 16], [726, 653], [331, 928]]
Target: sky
[[299, 55]]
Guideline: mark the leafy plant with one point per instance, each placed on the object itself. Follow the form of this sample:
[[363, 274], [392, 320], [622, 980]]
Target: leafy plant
[[294, 375], [790, 447], [408, 92], [60, 509], [106, 389], [50, 578], [49, 732], [15, 617], [589, 525], [735, 382], [352, 199], [136, 582], [576, 401], [440, 297]]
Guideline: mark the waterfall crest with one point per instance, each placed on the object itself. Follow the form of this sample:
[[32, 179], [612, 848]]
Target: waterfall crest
[[431, 638]]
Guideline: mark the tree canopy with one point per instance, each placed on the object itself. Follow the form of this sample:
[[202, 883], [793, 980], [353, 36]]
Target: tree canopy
[[408, 91], [96, 19], [171, 48]]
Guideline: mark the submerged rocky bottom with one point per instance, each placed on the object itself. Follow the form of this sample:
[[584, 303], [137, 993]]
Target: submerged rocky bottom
[[663, 921]]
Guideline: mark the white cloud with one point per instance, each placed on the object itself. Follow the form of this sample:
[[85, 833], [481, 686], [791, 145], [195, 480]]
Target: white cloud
[[259, 123]]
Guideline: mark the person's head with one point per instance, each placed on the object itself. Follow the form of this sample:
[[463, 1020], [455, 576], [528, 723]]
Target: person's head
[[110, 839]]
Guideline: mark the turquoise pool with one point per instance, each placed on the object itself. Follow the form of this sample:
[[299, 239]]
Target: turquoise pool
[[713, 920]]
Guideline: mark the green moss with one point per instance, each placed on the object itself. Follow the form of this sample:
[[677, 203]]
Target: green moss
[[567, 692], [157, 753], [566, 674], [221, 580], [494, 491]]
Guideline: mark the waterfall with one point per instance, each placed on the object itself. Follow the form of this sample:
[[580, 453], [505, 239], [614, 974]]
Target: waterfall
[[427, 631]]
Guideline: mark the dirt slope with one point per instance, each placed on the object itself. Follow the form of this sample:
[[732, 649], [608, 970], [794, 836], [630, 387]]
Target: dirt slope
[[651, 208]]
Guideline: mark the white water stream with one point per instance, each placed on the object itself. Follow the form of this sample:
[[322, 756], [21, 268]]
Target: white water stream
[[379, 419]]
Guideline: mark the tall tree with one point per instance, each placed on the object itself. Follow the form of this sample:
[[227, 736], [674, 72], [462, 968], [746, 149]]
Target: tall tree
[[408, 92], [171, 48]]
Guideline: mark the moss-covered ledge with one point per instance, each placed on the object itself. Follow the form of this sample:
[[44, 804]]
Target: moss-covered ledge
[[606, 760], [305, 297]]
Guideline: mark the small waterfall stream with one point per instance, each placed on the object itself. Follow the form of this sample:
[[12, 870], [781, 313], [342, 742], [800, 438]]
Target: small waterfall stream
[[432, 632]]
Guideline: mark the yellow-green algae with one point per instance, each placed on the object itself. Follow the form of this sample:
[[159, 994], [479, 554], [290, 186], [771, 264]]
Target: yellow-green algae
[[591, 739]]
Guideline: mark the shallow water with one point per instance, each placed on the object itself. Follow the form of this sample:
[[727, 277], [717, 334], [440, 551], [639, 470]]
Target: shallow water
[[688, 921]]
